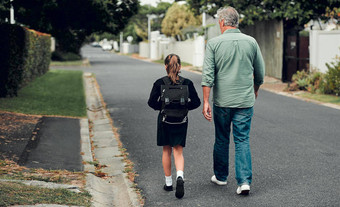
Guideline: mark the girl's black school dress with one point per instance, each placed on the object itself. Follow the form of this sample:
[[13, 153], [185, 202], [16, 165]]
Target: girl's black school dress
[[169, 134]]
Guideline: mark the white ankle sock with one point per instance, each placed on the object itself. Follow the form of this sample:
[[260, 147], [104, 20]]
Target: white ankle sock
[[168, 180], [179, 173]]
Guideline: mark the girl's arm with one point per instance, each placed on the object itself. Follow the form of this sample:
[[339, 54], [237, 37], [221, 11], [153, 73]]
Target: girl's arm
[[154, 99], [195, 100]]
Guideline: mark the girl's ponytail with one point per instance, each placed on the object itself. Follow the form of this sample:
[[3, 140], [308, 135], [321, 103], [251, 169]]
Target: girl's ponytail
[[173, 65]]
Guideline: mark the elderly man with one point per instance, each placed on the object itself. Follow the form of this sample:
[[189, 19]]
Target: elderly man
[[234, 68]]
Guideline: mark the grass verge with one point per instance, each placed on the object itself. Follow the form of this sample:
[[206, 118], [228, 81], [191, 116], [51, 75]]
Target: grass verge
[[10, 170], [58, 92], [13, 193], [20, 194], [321, 97], [70, 63]]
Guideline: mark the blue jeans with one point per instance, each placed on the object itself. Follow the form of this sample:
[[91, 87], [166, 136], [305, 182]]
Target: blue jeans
[[241, 119]]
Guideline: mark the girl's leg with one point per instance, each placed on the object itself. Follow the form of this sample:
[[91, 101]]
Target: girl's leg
[[166, 159], [179, 162], [179, 159]]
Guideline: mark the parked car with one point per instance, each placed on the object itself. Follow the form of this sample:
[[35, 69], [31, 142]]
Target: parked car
[[95, 44], [107, 47]]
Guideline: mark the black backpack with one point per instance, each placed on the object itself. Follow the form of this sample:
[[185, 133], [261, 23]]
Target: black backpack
[[174, 99]]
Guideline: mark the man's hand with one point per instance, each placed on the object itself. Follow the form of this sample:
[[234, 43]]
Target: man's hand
[[206, 106], [256, 90], [207, 111]]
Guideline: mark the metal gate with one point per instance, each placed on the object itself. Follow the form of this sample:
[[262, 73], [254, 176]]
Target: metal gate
[[296, 55]]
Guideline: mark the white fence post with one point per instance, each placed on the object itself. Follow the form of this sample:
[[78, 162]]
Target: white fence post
[[198, 52], [154, 45]]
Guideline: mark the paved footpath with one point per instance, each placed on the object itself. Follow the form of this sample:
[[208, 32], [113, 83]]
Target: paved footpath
[[115, 189]]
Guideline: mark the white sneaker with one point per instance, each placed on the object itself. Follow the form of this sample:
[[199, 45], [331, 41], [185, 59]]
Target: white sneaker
[[217, 182], [243, 189]]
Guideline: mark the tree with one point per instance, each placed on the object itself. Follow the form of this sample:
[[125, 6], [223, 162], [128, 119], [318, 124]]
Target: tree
[[71, 21], [294, 13], [177, 18], [138, 24], [4, 10], [140, 20]]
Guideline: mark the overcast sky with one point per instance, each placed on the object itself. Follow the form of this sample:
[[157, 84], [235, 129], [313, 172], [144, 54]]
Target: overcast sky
[[154, 2]]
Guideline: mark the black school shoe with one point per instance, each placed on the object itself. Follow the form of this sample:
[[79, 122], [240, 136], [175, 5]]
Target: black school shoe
[[168, 188], [179, 188]]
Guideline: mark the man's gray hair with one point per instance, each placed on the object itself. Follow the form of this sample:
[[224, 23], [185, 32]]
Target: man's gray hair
[[229, 16]]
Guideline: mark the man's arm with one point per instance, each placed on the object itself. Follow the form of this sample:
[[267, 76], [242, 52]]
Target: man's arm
[[259, 70], [206, 106], [208, 77]]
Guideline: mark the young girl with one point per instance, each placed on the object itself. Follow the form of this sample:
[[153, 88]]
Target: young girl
[[172, 136]]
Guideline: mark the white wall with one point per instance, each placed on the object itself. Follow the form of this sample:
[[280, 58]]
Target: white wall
[[144, 49], [190, 51], [128, 48], [323, 47]]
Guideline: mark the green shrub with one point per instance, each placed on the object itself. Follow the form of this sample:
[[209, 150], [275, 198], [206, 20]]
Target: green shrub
[[317, 82], [62, 56], [301, 78], [302, 83], [312, 81], [332, 77], [12, 41], [25, 55]]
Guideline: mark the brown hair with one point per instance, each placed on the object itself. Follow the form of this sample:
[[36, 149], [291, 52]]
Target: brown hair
[[172, 65]]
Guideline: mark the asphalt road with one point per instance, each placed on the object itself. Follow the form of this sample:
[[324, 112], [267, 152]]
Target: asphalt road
[[295, 144]]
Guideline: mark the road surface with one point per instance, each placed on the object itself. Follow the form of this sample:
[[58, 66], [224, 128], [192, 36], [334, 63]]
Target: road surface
[[295, 144]]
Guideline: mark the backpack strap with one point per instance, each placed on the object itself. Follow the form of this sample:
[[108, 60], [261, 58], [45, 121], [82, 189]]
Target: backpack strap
[[181, 80], [167, 80]]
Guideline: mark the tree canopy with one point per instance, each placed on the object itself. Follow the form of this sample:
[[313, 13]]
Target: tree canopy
[[177, 18], [295, 13], [139, 22], [4, 10], [71, 21]]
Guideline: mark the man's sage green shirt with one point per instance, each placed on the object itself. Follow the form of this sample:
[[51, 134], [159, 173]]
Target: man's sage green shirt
[[233, 63]]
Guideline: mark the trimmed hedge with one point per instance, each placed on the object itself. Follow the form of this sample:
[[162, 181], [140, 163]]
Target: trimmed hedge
[[25, 55]]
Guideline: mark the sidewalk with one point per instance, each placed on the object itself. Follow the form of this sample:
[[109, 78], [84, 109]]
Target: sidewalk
[[115, 189]]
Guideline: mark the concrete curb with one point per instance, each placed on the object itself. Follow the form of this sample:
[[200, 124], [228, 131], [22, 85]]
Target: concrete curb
[[291, 95], [115, 189]]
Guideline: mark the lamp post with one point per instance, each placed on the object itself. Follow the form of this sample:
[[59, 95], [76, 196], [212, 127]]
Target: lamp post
[[150, 17], [11, 18], [204, 24]]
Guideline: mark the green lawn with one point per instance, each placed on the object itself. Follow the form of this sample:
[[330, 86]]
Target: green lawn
[[321, 97], [20, 194], [67, 63], [84, 62], [58, 92]]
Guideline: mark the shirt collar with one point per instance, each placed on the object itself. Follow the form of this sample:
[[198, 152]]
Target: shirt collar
[[232, 31]]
